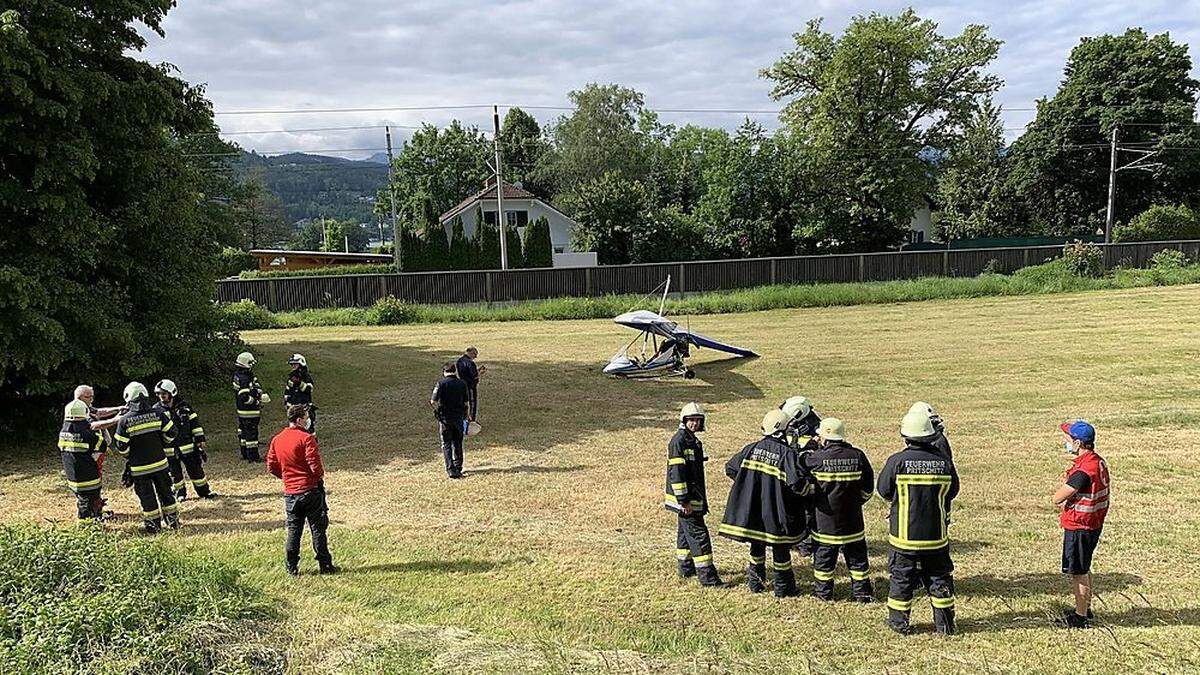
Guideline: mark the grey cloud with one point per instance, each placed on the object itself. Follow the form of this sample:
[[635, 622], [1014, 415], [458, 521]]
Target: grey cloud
[[282, 54]]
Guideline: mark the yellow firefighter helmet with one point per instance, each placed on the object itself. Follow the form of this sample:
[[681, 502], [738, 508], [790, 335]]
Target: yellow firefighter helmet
[[774, 422], [75, 410]]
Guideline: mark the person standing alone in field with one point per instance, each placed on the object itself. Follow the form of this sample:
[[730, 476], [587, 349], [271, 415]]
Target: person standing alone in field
[[687, 495], [450, 402], [294, 457], [1083, 500], [469, 373]]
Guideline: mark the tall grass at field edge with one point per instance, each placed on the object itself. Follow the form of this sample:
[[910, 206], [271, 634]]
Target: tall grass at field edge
[[1053, 277]]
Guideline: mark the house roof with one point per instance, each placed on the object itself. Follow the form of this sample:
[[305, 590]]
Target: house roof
[[510, 192]]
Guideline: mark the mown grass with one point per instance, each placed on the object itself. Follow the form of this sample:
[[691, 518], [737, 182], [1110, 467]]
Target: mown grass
[[1051, 277], [554, 555]]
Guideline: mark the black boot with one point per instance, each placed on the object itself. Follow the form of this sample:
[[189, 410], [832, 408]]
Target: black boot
[[943, 621], [687, 568], [862, 591], [709, 576], [756, 578], [1070, 619], [785, 584], [898, 621], [327, 568], [823, 588]]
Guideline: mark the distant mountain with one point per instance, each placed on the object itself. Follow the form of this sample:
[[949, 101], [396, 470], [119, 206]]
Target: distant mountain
[[378, 158], [317, 186]]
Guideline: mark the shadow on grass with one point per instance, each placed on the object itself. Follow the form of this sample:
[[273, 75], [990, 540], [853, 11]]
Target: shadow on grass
[[1135, 617], [464, 566], [523, 468], [1038, 583]]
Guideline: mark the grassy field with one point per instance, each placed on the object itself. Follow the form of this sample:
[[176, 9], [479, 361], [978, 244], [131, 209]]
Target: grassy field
[[555, 555]]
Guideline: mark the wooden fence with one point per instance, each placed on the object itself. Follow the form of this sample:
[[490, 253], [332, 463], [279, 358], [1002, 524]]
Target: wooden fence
[[444, 288]]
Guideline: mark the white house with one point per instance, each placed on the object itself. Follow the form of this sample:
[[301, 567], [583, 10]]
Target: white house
[[521, 207]]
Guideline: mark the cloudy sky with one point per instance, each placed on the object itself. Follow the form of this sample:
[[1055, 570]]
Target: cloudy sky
[[257, 55]]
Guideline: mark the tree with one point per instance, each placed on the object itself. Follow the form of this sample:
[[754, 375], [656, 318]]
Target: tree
[[437, 249], [522, 147], [539, 250], [1142, 86], [310, 237], [1161, 223], [866, 108], [608, 210], [109, 247], [486, 244], [606, 134], [669, 234], [516, 257], [258, 214], [460, 247], [435, 170], [970, 189]]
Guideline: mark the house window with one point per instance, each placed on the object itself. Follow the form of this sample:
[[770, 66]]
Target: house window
[[517, 218], [489, 217], [559, 249]]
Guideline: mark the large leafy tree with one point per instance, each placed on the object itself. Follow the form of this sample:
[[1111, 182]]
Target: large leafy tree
[[435, 170], [866, 108], [1138, 83], [523, 147], [970, 191], [609, 210], [109, 246], [258, 213]]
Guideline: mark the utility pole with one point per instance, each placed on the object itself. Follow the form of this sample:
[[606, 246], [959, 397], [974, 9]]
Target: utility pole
[[1112, 187], [397, 256], [500, 219]]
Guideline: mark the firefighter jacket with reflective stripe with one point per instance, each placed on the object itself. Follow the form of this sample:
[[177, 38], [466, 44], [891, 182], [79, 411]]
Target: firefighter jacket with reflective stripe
[[299, 388], [141, 436], [766, 501], [685, 473], [188, 430], [942, 443], [1086, 510], [248, 396], [920, 483], [78, 444], [842, 482], [802, 433]]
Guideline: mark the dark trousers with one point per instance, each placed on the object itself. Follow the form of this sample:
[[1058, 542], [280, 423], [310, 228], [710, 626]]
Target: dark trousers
[[158, 502], [473, 402], [452, 445], [933, 570], [248, 438], [194, 465], [89, 505], [781, 565], [693, 549], [825, 557], [309, 507]]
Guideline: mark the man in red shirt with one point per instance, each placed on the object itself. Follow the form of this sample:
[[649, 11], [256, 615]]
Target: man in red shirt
[[1083, 500], [294, 457]]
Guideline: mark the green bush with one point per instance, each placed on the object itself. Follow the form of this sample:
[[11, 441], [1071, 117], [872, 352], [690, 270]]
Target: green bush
[[390, 311], [246, 315], [86, 601], [335, 270], [1084, 259], [1160, 223], [234, 261]]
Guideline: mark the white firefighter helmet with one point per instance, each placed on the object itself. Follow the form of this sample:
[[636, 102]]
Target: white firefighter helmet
[[166, 387], [298, 360], [916, 424], [692, 409], [134, 390], [796, 407], [774, 422], [75, 410], [246, 360], [832, 429], [922, 407]]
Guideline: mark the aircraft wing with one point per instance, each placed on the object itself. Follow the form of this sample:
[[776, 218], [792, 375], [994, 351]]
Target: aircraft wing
[[705, 341], [648, 322]]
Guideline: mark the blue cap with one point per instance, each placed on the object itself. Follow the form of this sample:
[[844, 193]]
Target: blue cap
[[1080, 431]]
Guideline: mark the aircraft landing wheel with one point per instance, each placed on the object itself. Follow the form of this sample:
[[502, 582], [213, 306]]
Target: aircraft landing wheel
[[689, 374]]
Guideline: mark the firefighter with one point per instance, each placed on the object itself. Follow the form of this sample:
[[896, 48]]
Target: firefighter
[[920, 483], [1083, 499], [299, 389], [801, 435], [842, 482], [764, 507], [79, 445], [187, 452], [140, 437], [248, 402], [939, 437], [687, 496]]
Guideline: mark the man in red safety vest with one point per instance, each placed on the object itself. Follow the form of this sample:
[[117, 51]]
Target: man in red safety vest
[[1083, 500]]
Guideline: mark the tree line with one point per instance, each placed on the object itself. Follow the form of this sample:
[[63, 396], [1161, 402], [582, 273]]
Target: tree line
[[878, 121]]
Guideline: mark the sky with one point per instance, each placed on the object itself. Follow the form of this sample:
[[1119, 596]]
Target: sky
[[256, 55]]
